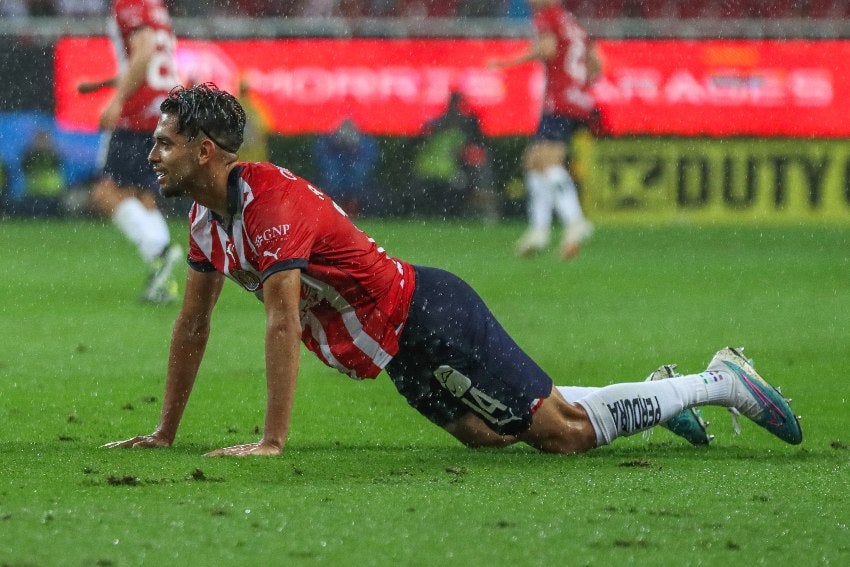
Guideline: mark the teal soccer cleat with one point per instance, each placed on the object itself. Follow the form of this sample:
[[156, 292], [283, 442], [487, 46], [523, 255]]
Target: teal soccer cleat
[[688, 423], [754, 398]]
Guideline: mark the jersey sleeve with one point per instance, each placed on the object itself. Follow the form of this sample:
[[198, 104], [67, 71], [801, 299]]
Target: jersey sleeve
[[131, 15], [196, 259], [281, 226]]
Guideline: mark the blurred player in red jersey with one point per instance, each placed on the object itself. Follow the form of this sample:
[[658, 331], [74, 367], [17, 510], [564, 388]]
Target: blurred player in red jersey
[[325, 283], [571, 64], [144, 46]]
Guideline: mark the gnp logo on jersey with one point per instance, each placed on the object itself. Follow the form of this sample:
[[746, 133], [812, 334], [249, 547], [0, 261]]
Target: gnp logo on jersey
[[271, 233]]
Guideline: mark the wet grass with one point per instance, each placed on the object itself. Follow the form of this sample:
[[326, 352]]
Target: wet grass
[[366, 481]]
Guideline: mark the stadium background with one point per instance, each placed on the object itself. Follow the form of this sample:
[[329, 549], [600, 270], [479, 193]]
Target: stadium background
[[716, 109]]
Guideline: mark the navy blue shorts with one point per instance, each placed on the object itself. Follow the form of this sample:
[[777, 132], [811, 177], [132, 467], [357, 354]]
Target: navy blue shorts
[[454, 358], [127, 160], [557, 128]]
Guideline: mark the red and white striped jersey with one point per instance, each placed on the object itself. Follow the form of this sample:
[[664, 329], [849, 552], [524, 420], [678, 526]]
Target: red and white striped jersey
[[354, 298], [567, 91], [140, 112]]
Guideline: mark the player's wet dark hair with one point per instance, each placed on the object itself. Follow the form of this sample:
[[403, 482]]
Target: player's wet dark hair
[[205, 108]]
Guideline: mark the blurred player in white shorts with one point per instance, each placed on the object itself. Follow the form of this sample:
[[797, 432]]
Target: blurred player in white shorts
[[571, 64]]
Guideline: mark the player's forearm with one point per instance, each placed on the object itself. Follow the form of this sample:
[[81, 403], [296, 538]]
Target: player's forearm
[[188, 343], [282, 358], [143, 48], [132, 79]]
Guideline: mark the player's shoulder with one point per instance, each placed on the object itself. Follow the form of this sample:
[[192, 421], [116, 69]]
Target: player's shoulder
[[264, 174], [270, 183]]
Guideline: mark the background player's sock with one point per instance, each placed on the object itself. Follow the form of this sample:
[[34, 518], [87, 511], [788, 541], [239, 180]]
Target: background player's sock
[[540, 201], [156, 231], [565, 195], [134, 221]]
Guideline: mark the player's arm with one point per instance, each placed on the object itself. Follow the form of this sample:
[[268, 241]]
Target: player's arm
[[87, 87], [543, 48], [188, 342], [281, 296], [142, 49]]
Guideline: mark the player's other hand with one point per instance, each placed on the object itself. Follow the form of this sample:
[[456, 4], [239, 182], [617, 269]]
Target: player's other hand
[[139, 441], [109, 116], [87, 87], [260, 448]]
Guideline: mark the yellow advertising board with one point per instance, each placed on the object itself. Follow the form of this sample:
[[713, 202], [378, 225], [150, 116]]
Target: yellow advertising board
[[727, 180]]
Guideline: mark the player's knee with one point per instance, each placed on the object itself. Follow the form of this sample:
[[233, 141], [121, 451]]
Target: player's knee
[[560, 427]]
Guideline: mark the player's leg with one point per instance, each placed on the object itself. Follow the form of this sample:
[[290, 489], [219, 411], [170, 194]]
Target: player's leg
[[126, 194], [729, 381], [563, 187], [540, 195], [539, 205], [687, 424], [458, 367]]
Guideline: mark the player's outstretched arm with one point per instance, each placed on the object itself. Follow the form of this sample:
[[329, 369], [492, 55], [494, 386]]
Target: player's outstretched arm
[[87, 87], [281, 295], [142, 50], [188, 342]]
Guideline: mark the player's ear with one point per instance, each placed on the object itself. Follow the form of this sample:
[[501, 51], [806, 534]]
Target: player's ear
[[206, 150]]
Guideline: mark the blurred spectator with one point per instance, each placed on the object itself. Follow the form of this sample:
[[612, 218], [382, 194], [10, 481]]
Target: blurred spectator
[[518, 9], [16, 9], [44, 182], [345, 161], [319, 8], [824, 8], [452, 171], [255, 141], [4, 190], [481, 8], [381, 8], [80, 7]]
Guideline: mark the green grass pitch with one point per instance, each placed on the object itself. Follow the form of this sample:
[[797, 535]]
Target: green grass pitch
[[367, 481]]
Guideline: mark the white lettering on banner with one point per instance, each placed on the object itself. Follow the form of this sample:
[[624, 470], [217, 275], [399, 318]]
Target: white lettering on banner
[[413, 85], [271, 233], [802, 87]]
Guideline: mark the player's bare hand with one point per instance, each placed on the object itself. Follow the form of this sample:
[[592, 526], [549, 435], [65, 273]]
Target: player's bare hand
[[139, 441], [261, 449], [87, 87], [110, 115]]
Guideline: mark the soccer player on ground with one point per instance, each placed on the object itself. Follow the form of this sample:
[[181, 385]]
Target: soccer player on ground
[[571, 64], [144, 46], [326, 283]]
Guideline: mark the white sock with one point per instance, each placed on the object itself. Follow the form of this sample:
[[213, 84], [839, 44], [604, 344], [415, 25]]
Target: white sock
[[158, 235], [540, 201], [628, 408], [563, 188], [135, 221]]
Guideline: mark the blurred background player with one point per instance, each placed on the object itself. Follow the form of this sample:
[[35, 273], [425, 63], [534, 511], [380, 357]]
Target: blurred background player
[[144, 43], [563, 47], [345, 165], [452, 174]]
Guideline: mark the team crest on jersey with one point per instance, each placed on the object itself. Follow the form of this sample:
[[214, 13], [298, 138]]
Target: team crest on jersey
[[286, 173], [246, 279]]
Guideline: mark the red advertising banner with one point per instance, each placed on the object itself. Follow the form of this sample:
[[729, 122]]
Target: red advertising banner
[[723, 88], [389, 86], [311, 85]]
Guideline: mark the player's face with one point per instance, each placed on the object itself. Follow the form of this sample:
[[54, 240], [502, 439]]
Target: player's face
[[173, 157]]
